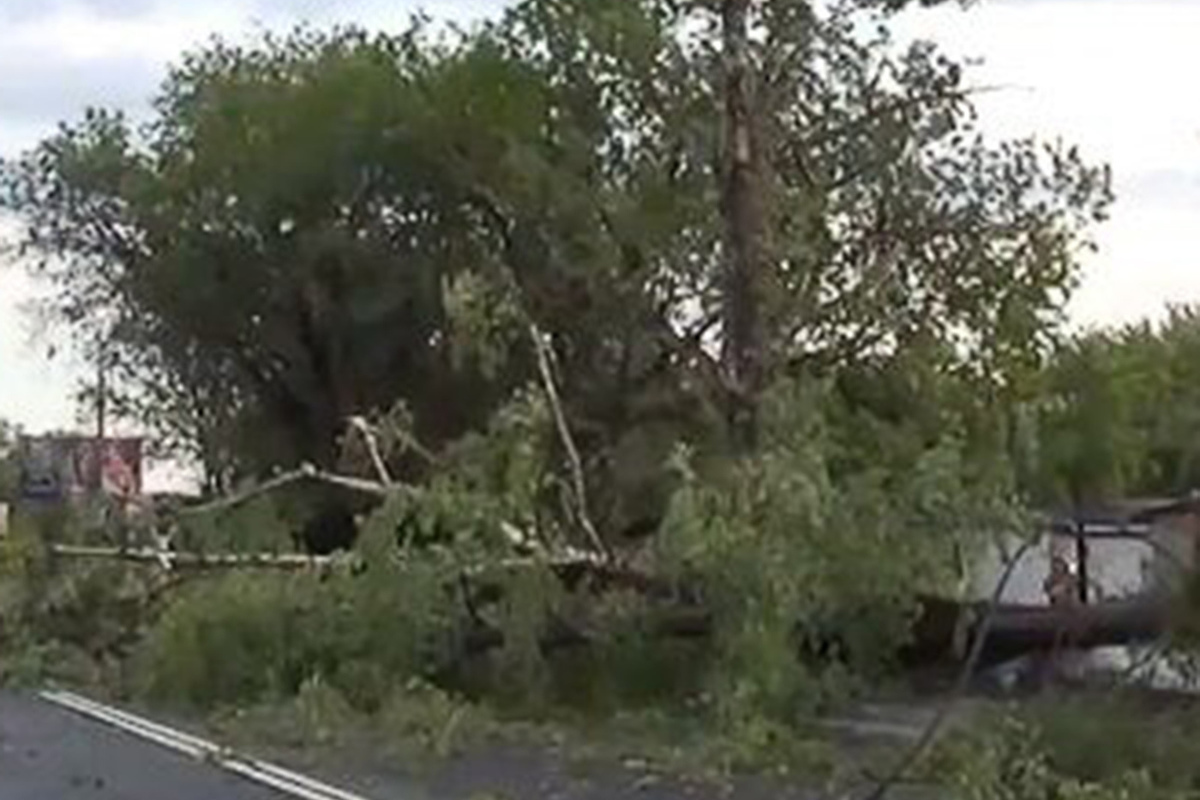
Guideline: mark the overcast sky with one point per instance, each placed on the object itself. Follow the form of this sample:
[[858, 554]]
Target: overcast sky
[[1111, 75]]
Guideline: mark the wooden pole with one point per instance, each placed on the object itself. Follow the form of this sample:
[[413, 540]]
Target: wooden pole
[[1081, 559], [101, 400]]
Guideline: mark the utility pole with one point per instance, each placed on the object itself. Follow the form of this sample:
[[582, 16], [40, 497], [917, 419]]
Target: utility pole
[[744, 214], [101, 400]]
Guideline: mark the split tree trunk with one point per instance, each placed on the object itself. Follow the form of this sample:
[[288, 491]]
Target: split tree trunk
[[744, 214]]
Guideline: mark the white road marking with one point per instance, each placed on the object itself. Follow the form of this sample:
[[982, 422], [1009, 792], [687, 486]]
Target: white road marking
[[284, 780]]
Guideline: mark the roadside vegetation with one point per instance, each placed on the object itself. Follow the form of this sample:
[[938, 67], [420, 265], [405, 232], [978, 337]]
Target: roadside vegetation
[[680, 355]]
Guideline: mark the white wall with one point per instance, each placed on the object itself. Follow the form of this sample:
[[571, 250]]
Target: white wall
[[1115, 568]]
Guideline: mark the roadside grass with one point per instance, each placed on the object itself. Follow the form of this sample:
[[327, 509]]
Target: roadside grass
[[420, 728], [1104, 743], [1102, 734]]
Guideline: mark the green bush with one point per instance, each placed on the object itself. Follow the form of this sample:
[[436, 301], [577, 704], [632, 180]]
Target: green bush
[[1015, 759], [1100, 737], [243, 637], [233, 639], [796, 556], [66, 620]]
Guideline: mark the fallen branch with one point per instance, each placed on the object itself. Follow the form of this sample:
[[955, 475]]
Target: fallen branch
[[999, 631], [570, 565], [306, 472], [170, 559], [368, 436], [576, 464]]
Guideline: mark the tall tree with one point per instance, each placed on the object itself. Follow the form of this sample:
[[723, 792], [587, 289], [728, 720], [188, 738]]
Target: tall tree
[[743, 201], [318, 225], [267, 257]]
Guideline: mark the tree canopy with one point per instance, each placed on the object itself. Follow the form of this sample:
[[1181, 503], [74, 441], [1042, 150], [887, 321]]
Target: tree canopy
[[322, 224], [745, 276]]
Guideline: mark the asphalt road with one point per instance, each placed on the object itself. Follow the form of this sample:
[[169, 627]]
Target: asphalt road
[[48, 753]]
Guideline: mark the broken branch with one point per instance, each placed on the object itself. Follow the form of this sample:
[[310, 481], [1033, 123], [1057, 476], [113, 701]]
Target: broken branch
[[576, 464], [368, 436], [306, 472]]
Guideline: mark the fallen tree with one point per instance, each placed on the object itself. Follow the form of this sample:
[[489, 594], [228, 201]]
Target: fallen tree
[[942, 631]]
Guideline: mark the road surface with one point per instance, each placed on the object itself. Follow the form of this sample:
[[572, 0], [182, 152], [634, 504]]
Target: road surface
[[49, 753]]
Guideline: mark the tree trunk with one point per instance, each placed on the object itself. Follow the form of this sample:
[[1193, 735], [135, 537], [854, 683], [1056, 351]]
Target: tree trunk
[[745, 231]]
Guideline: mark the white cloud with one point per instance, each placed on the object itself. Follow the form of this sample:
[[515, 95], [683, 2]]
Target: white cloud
[[21, 10], [34, 390], [1110, 74], [57, 58], [1114, 77]]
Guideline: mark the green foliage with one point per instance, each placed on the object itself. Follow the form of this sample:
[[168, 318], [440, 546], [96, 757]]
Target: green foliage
[[257, 526], [235, 640], [247, 637], [421, 721], [1099, 738], [70, 622], [1117, 412], [788, 553], [237, 257], [256, 224], [1019, 759], [417, 725]]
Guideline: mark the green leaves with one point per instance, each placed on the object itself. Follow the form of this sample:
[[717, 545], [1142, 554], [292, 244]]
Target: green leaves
[[1117, 413], [320, 224], [794, 550]]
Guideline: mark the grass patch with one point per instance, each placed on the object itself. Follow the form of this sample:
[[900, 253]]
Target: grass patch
[[1099, 736], [1109, 744]]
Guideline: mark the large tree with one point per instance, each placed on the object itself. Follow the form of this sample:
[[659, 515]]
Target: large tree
[[316, 226], [268, 256]]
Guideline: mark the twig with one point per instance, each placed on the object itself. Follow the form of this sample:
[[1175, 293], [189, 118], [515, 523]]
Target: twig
[[238, 498], [411, 442], [381, 471], [564, 432], [960, 688], [358, 484]]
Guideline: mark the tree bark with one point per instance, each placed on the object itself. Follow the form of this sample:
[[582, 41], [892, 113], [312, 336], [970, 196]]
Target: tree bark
[[743, 211]]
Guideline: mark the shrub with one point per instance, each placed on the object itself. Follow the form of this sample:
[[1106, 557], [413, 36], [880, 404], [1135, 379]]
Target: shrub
[[1100, 737], [241, 637], [796, 557], [66, 620], [1010, 762], [233, 639]]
